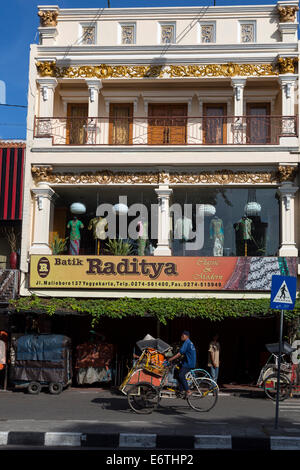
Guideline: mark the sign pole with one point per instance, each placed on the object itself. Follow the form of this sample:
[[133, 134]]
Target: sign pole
[[278, 372]]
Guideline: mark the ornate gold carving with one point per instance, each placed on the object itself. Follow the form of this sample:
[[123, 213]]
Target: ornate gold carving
[[222, 70], [221, 177], [89, 177], [50, 69], [287, 64], [287, 14], [47, 69], [48, 18], [286, 173]]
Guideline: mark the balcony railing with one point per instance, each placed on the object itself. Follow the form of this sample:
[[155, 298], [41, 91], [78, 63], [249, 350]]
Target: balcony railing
[[179, 130]]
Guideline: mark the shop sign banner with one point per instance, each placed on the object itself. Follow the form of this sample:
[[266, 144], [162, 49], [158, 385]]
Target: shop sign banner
[[155, 272]]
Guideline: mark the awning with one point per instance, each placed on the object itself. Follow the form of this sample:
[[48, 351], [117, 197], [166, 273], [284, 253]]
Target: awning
[[11, 182]]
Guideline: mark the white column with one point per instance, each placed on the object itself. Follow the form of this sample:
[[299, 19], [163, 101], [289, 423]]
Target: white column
[[94, 124], [287, 83], [238, 89], [43, 195], [239, 127], [47, 89], [287, 206], [163, 242]]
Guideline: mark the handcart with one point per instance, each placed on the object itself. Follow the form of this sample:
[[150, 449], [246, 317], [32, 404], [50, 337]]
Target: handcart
[[147, 382], [39, 361]]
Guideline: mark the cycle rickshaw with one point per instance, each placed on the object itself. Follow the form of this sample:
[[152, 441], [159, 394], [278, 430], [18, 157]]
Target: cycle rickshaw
[[149, 381], [289, 383]]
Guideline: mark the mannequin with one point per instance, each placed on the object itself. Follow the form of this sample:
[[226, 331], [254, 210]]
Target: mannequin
[[244, 227], [182, 232], [142, 227], [99, 226], [216, 233], [75, 226]]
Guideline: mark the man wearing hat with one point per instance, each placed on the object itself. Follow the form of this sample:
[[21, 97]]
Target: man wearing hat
[[188, 352]]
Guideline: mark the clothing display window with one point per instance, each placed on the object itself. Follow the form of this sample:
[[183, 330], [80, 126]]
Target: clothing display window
[[233, 222], [119, 220]]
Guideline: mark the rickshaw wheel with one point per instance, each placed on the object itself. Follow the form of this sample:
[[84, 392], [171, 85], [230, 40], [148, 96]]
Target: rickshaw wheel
[[143, 398], [270, 387], [55, 388], [34, 388]]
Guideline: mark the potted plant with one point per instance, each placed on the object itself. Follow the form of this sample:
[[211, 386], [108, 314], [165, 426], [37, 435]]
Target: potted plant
[[11, 237], [118, 247], [58, 245]]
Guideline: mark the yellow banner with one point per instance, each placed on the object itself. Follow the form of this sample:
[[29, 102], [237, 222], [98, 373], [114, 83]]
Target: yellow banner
[[124, 272], [157, 272]]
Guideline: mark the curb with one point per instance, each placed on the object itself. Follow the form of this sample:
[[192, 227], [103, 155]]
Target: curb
[[123, 441]]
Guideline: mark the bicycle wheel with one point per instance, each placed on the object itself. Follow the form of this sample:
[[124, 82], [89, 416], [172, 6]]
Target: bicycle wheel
[[271, 385], [143, 398], [204, 394]]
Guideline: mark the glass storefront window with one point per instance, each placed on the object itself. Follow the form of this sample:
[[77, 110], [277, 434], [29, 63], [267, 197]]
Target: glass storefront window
[[235, 221], [107, 229]]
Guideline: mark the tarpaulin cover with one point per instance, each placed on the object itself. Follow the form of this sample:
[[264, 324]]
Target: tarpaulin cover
[[41, 358], [40, 348]]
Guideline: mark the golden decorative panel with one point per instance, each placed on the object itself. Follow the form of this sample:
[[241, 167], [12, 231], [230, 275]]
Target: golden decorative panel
[[221, 177], [50, 69], [287, 14], [48, 18], [287, 64], [286, 173], [45, 174]]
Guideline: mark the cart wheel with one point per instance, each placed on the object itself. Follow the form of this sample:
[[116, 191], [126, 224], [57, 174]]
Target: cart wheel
[[55, 388], [143, 398], [270, 387], [34, 388]]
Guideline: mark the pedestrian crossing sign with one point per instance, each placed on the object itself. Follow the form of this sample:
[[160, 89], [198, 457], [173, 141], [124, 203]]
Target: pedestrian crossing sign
[[283, 292]]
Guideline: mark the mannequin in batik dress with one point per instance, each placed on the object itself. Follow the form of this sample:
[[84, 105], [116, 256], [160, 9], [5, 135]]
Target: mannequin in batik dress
[[216, 233], [75, 226]]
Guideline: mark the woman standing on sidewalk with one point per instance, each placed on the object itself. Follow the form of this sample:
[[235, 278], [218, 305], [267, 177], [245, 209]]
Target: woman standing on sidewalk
[[214, 357]]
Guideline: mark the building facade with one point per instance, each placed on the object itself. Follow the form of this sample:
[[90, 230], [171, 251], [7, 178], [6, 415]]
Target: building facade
[[174, 131]]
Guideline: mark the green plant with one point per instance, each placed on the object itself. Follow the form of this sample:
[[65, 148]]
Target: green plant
[[162, 309], [118, 247], [58, 245]]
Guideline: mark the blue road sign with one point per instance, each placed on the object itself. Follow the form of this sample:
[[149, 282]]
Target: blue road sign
[[283, 292]]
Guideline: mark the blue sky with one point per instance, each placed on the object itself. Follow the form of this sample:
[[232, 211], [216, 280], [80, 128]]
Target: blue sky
[[19, 23]]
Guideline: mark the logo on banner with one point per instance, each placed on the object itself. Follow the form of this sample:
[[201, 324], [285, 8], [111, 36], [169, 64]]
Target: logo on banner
[[43, 267]]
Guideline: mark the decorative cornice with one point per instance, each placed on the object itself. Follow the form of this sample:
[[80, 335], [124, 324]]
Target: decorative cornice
[[8, 144], [48, 17], [287, 64], [103, 71], [221, 177], [287, 173], [287, 14]]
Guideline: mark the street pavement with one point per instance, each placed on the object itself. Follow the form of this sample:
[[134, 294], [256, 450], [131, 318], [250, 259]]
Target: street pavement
[[92, 410]]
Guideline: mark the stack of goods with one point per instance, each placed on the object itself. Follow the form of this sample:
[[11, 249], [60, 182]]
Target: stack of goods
[[93, 363]]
